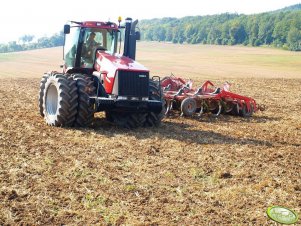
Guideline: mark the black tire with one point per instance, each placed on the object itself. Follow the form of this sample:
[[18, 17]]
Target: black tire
[[153, 118], [134, 120], [188, 106], [109, 116], [41, 93], [85, 109], [126, 119], [59, 100]]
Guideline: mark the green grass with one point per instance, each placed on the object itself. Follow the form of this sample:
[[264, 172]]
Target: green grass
[[197, 62], [272, 60], [7, 57], [218, 61]]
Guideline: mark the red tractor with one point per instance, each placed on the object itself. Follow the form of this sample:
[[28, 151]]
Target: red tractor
[[97, 78]]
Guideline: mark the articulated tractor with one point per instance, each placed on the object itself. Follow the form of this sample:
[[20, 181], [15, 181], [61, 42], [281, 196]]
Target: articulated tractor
[[96, 77]]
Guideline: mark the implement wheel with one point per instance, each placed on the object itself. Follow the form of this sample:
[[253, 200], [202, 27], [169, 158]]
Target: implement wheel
[[188, 106]]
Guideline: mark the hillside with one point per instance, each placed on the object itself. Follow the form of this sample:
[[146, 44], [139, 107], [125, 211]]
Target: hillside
[[190, 61], [289, 8], [278, 28]]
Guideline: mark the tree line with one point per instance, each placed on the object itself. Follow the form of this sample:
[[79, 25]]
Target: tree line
[[281, 28], [26, 43]]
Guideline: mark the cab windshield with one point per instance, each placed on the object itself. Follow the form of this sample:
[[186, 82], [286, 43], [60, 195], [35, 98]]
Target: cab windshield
[[97, 39]]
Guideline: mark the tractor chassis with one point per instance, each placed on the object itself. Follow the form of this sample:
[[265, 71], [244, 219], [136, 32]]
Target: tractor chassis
[[113, 104]]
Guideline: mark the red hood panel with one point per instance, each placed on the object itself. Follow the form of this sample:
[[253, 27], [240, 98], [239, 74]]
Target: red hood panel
[[111, 63]]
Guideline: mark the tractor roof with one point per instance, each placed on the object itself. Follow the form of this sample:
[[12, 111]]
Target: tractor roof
[[96, 24]]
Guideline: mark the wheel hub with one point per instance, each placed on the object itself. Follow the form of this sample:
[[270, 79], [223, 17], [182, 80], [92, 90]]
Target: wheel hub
[[51, 100]]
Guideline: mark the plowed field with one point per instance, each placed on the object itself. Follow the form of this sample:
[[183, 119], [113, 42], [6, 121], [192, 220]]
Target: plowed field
[[188, 171]]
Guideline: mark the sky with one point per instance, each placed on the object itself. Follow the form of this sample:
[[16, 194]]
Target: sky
[[44, 18]]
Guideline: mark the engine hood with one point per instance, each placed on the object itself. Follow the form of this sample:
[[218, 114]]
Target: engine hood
[[109, 64]]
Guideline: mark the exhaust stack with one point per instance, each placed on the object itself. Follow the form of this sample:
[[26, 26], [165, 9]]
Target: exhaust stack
[[131, 36]]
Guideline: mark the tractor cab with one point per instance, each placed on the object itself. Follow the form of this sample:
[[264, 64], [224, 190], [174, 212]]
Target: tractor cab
[[84, 39]]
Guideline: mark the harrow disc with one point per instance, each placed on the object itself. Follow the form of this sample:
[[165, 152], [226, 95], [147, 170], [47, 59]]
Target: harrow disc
[[201, 110], [235, 110], [218, 109], [228, 107], [245, 112]]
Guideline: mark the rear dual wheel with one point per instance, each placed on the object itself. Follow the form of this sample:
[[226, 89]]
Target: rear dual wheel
[[155, 118], [133, 119], [85, 109], [126, 119]]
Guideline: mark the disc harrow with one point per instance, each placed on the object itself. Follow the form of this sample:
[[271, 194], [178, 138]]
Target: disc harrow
[[180, 96]]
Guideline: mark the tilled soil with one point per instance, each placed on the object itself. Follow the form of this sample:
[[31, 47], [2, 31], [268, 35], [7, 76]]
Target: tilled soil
[[189, 171]]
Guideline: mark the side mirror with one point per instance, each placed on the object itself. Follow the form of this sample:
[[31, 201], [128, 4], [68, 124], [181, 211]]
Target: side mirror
[[66, 29], [137, 34]]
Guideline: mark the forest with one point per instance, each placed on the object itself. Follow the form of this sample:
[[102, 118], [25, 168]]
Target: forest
[[280, 28], [26, 42]]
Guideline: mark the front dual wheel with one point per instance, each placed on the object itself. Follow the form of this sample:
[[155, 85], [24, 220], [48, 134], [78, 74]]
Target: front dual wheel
[[59, 100], [64, 100]]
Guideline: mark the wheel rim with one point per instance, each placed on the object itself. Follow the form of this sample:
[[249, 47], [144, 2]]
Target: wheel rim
[[190, 107], [51, 100]]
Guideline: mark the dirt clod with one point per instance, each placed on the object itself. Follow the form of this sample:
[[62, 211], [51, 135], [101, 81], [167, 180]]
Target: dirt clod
[[12, 195], [226, 175]]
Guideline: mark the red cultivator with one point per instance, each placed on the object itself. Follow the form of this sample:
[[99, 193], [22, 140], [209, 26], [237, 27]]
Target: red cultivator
[[180, 95]]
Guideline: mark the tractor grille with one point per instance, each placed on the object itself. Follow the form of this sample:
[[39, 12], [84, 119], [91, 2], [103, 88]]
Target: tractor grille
[[132, 83]]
